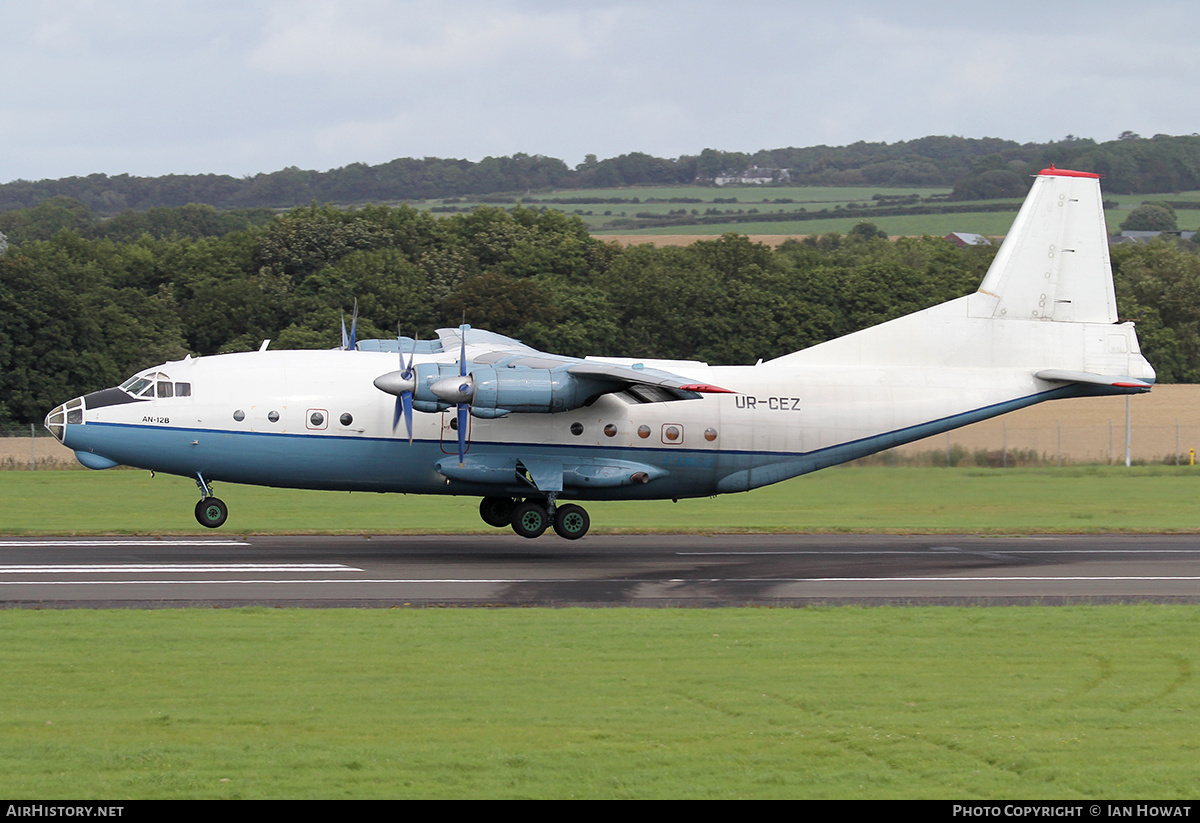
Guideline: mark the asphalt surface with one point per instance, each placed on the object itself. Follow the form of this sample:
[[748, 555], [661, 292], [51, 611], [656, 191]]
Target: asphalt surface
[[621, 570]]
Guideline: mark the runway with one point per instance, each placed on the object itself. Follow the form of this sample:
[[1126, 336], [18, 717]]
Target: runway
[[598, 571]]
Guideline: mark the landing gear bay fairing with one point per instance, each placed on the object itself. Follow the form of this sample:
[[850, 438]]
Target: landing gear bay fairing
[[475, 413]]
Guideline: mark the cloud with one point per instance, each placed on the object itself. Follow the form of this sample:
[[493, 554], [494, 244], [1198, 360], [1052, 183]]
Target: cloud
[[257, 85], [365, 40]]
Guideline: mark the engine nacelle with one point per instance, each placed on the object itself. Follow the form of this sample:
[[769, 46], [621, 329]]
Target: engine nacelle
[[492, 392]]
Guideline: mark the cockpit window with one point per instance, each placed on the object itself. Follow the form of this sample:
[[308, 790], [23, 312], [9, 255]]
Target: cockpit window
[[156, 384], [136, 385]]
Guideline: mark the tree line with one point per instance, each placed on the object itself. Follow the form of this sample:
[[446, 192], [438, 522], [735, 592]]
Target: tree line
[[81, 309], [976, 168]]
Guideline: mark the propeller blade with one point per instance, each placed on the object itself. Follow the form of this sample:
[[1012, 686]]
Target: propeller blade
[[407, 371], [464, 387], [353, 326], [462, 432], [462, 350], [404, 408], [405, 368], [402, 384]]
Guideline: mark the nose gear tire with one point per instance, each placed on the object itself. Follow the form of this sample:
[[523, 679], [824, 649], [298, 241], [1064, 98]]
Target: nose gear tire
[[211, 512]]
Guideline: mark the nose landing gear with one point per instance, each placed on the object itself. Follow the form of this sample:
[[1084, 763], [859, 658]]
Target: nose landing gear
[[211, 512]]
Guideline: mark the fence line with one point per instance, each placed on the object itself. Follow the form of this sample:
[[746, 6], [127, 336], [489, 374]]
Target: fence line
[[34, 449], [1160, 427]]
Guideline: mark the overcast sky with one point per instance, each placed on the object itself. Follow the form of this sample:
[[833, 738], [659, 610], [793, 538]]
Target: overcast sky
[[245, 86]]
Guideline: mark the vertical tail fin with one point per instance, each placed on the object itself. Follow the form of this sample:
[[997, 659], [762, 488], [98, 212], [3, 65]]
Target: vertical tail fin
[[1053, 265], [1046, 308]]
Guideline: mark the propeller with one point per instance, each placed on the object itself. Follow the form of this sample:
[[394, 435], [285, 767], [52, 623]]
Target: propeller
[[408, 373], [459, 391], [456, 390], [402, 384], [467, 384]]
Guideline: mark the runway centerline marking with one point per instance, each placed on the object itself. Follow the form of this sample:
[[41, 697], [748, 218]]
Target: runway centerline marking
[[16, 544], [179, 568], [932, 551]]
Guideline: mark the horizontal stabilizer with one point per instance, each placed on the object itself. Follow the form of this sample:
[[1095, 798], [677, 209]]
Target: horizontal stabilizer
[[1108, 380]]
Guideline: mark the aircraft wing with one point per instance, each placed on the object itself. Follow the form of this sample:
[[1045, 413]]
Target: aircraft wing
[[496, 376], [452, 340], [639, 375], [495, 349]]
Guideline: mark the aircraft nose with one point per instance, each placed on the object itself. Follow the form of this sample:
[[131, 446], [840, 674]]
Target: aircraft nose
[[58, 419]]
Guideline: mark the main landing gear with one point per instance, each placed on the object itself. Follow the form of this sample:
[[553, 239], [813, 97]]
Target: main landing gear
[[531, 518], [211, 512]]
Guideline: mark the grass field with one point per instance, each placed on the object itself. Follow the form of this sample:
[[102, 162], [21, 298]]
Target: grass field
[[1069, 702], [1032, 702], [843, 499], [812, 198], [1080, 702], [990, 224]]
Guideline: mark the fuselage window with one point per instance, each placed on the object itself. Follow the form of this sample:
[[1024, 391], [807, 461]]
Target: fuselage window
[[239, 415], [346, 418]]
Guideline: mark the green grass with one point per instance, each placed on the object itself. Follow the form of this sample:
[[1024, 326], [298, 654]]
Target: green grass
[[989, 224], [1069, 702], [843, 499], [803, 195], [813, 198]]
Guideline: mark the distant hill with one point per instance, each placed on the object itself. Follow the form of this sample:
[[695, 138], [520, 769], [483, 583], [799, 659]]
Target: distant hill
[[976, 168]]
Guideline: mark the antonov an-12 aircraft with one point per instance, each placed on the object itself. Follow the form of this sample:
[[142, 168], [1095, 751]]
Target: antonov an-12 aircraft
[[475, 413]]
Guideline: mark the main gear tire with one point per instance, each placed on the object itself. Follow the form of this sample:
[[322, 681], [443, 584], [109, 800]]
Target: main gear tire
[[530, 519], [571, 522], [497, 511]]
